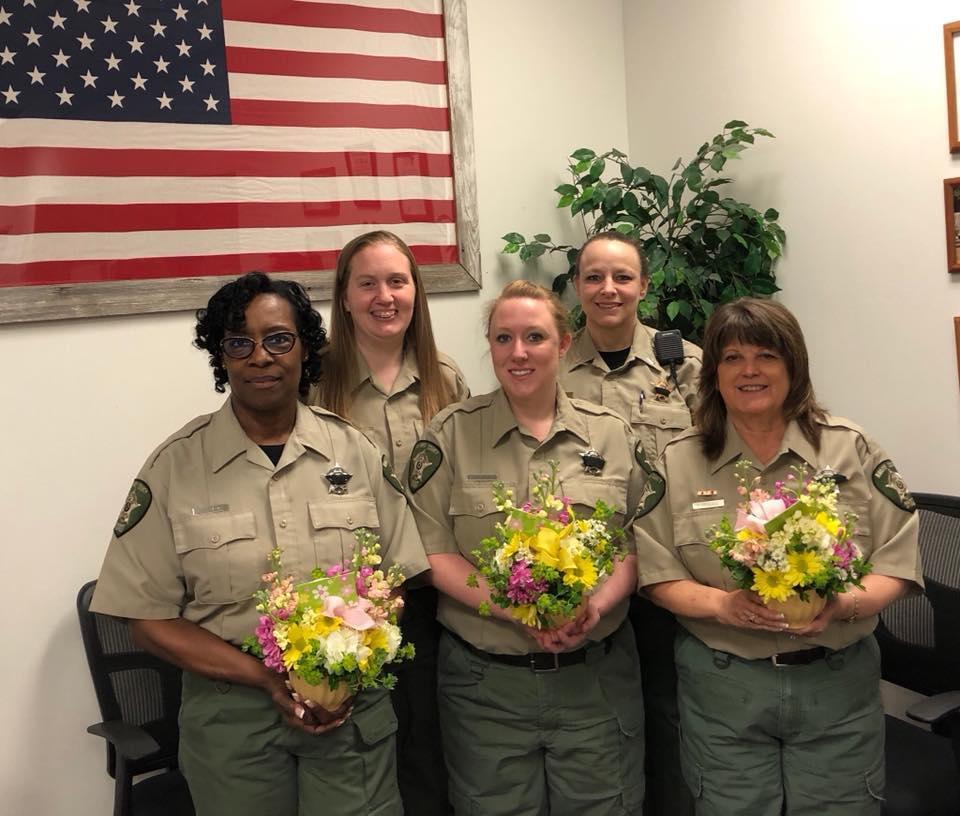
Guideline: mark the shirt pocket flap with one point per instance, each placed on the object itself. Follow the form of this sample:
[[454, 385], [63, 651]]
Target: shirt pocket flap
[[661, 415], [345, 514], [212, 530], [588, 490], [473, 500]]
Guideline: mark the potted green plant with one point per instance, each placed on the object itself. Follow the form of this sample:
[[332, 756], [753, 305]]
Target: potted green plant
[[703, 248]]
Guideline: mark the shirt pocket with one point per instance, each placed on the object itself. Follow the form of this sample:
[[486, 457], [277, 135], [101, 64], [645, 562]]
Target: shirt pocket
[[690, 536], [656, 423], [222, 559], [862, 533], [474, 515], [334, 521], [585, 491]]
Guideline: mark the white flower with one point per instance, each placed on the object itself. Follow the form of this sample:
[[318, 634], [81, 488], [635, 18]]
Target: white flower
[[338, 644], [392, 631]]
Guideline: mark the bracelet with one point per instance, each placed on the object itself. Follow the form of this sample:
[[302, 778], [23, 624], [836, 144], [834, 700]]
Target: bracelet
[[856, 609]]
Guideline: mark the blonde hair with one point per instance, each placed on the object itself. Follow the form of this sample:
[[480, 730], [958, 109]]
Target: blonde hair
[[339, 371], [525, 289]]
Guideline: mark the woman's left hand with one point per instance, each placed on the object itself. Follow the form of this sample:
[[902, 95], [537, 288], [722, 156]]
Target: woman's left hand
[[572, 634], [834, 610]]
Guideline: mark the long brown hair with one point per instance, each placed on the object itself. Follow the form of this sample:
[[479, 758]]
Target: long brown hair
[[339, 371], [764, 323]]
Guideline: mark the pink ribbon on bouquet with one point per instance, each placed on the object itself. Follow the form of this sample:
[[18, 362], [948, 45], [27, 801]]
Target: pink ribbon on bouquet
[[757, 514], [353, 615]]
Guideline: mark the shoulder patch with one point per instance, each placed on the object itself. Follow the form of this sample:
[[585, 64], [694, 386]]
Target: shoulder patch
[[888, 481], [655, 486], [424, 461], [134, 508], [390, 476]]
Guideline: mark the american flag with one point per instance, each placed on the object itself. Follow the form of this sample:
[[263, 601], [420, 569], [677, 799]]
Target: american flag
[[209, 137]]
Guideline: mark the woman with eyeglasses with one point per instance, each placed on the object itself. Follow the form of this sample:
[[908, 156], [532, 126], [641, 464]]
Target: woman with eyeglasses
[[192, 542], [382, 371]]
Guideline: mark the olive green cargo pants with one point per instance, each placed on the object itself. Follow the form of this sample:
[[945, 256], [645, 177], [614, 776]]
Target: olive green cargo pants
[[761, 740], [239, 757], [525, 743]]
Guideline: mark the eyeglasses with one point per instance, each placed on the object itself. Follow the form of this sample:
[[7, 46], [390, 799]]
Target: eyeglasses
[[239, 348]]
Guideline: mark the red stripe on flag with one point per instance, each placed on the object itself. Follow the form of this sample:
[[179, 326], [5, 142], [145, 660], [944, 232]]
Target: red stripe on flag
[[47, 218], [86, 271], [337, 114], [334, 15], [355, 66], [87, 161]]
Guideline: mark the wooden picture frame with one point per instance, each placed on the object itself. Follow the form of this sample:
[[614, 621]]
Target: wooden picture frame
[[951, 210], [20, 304], [951, 32], [956, 334]]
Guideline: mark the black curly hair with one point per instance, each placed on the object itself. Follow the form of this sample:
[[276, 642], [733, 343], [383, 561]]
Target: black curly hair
[[227, 310]]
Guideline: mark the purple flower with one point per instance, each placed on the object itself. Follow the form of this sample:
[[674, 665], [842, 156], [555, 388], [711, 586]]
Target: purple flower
[[522, 588], [272, 656]]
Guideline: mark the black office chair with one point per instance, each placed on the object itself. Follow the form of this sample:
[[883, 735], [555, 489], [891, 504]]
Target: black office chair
[[919, 641], [139, 698]]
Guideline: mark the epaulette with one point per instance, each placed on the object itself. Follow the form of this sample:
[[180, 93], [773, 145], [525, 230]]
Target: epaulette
[[188, 430], [465, 407]]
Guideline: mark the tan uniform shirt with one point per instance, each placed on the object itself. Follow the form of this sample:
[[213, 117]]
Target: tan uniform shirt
[[481, 442], [214, 506], [392, 418], [671, 538], [629, 390]]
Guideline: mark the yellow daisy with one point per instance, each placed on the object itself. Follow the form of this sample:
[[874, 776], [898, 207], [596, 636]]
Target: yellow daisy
[[771, 585]]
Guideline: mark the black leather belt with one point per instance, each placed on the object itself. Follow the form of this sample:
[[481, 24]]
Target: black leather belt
[[802, 657], [535, 661]]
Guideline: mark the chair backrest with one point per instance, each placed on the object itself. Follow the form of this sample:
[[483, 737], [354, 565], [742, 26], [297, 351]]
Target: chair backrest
[[919, 636], [131, 685]]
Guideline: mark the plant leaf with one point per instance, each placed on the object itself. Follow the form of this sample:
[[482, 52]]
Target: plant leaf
[[734, 123], [583, 154], [514, 238], [567, 189]]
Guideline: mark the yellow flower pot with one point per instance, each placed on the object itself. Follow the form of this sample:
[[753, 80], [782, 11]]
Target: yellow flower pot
[[799, 613], [321, 694]]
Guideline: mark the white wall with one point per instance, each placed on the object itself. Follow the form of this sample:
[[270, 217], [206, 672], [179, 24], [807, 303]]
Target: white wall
[[855, 93], [85, 401]]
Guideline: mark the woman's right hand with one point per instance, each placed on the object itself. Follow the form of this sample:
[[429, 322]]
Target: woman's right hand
[[302, 714], [745, 610]]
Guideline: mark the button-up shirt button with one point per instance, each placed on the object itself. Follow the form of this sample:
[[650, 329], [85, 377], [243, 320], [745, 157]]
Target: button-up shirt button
[[215, 539], [399, 443], [283, 523], [480, 507], [276, 477], [663, 420], [349, 519]]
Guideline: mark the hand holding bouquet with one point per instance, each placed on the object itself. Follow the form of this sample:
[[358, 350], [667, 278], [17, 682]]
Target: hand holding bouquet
[[543, 562], [335, 633], [791, 544]]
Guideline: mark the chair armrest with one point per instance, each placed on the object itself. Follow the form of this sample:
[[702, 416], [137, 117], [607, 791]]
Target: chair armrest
[[933, 709], [130, 741]]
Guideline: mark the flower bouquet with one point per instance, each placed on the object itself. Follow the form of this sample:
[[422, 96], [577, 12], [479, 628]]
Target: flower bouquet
[[335, 633], [792, 547], [543, 562]]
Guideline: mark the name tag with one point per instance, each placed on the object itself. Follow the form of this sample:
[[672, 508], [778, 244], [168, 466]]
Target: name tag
[[708, 505], [213, 508], [482, 477]]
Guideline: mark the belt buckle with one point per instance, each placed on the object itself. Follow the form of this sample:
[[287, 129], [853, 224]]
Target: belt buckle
[[536, 669], [774, 659]]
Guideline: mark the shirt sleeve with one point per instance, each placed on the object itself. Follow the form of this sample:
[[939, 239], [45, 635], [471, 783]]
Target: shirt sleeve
[[894, 522], [141, 575], [399, 539], [688, 374], [430, 493], [657, 559]]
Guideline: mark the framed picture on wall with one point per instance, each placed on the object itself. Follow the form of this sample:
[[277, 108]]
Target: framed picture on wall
[[951, 33], [148, 158], [951, 208]]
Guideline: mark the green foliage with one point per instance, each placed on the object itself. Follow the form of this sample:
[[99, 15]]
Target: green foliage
[[703, 248]]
